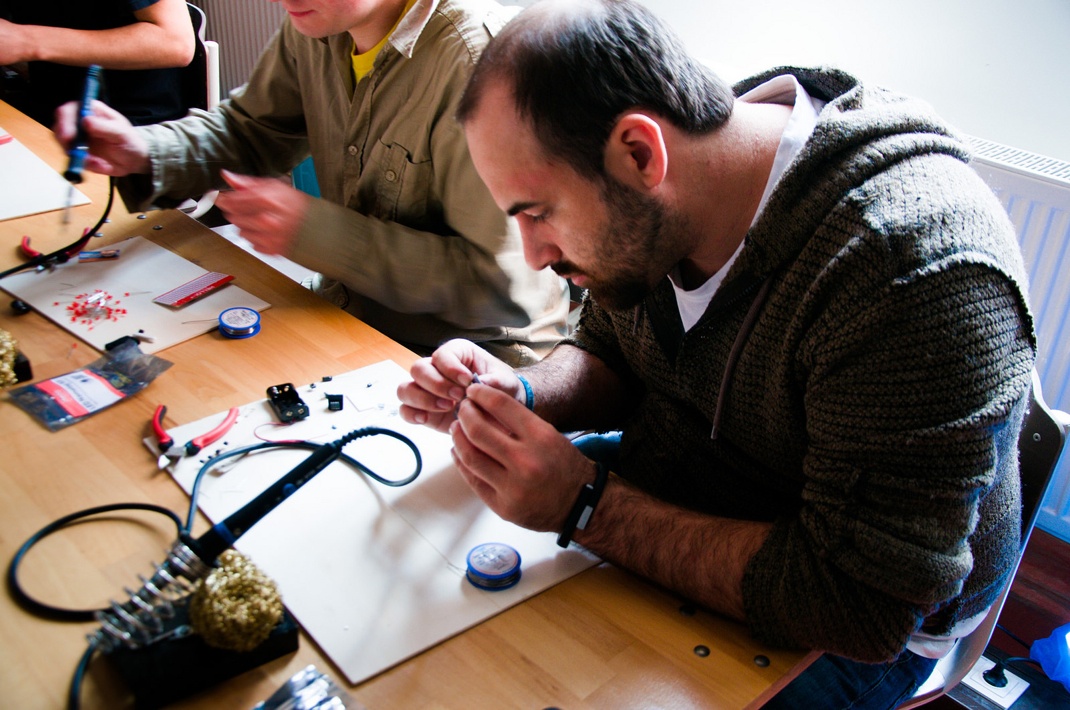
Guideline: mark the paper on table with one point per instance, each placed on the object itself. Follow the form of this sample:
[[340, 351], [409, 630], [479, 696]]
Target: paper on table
[[374, 574], [126, 286], [28, 185]]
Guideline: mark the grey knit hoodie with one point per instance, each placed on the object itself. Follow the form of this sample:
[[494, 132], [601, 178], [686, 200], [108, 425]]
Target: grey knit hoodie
[[863, 367]]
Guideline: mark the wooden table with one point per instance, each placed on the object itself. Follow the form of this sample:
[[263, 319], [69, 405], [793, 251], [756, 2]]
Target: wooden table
[[603, 639]]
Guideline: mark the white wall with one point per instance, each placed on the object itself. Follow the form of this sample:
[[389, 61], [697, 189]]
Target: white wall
[[996, 69]]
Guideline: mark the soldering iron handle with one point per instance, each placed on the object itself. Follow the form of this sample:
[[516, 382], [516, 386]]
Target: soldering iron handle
[[223, 535], [80, 148]]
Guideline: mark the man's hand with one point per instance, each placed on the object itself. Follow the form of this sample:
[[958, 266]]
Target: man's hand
[[519, 465], [439, 382], [115, 146], [266, 211]]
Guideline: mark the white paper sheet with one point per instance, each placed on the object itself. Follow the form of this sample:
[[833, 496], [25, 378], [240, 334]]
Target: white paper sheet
[[374, 574], [28, 185], [142, 271]]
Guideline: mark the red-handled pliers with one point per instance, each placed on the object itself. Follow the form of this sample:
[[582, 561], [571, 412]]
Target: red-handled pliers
[[64, 255], [28, 251], [172, 451]]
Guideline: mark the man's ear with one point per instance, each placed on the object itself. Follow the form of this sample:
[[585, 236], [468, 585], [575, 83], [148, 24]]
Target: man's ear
[[635, 152]]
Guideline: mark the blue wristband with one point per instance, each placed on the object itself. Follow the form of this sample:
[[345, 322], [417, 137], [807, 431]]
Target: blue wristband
[[529, 396]]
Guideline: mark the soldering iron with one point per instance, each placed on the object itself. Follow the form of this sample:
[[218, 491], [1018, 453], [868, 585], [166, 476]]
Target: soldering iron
[[80, 148], [148, 617]]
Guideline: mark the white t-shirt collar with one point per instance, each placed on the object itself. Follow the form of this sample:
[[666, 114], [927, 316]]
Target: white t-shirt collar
[[784, 89]]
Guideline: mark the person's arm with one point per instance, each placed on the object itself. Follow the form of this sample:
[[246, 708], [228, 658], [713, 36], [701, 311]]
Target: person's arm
[[882, 534], [161, 37], [451, 253], [575, 390], [530, 474], [702, 557]]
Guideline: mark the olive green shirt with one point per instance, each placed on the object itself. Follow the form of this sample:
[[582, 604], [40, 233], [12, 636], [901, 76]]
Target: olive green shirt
[[406, 235]]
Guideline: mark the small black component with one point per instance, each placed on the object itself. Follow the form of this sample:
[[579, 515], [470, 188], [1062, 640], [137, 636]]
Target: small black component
[[20, 307], [287, 404], [334, 402], [23, 371], [108, 347]]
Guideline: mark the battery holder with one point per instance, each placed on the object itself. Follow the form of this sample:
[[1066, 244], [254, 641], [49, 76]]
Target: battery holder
[[286, 403]]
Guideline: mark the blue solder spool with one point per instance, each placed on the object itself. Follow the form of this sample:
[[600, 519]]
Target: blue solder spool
[[493, 566], [239, 322]]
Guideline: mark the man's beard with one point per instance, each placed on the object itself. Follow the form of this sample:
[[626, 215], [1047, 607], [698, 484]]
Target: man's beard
[[637, 237]]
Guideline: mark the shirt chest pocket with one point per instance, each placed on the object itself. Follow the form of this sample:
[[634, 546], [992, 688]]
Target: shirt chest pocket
[[402, 187]]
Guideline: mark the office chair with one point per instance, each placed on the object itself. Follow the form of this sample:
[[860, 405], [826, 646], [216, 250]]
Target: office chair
[[201, 89], [1041, 445]]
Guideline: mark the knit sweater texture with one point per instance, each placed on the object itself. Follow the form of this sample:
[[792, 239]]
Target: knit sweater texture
[[869, 406]]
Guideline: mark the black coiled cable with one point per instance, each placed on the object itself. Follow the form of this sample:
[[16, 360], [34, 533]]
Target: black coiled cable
[[61, 614]]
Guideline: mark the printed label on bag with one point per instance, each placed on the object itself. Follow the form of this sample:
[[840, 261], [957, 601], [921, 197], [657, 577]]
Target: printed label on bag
[[81, 393]]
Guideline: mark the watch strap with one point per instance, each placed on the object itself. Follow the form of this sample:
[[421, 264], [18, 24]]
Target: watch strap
[[584, 507]]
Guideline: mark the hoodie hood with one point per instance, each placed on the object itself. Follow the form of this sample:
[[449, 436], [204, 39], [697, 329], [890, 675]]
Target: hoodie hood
[[861, 131]]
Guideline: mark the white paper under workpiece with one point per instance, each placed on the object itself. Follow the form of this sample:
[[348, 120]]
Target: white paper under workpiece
[[29, 185], [126, 286], [374, 574]]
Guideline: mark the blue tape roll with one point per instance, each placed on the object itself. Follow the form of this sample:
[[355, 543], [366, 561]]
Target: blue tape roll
[[239, 322], [493, 566]]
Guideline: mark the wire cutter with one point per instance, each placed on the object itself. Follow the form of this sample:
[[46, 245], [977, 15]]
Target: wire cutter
[[172, 451], [58, 257]]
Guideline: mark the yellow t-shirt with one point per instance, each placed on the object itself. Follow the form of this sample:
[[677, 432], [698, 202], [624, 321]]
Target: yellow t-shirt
[[363, 62]]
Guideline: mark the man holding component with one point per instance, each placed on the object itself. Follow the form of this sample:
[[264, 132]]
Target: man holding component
[[406, 236], [806, 314]]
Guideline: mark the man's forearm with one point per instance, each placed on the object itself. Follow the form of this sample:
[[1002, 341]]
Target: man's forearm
[[574, 390], [161, 37], [698, 556]]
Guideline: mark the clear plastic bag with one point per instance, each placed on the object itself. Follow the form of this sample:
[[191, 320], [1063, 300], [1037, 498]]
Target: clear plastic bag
[[308, 689], [61, 401]]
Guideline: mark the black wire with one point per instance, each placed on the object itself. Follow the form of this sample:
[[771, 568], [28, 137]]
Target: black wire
[[1013, 637], [75, 688], [62, 614], [1017, 659], [357, 434], [61, 256], [58, 613]]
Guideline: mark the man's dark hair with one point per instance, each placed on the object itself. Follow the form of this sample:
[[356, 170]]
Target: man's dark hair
[[574, 68]]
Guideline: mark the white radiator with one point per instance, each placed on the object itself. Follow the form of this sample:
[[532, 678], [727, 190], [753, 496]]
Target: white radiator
[[1036, 193], [242, 28]]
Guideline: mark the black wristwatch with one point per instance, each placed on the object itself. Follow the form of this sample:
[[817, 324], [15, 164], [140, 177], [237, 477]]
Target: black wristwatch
[[583, 508]]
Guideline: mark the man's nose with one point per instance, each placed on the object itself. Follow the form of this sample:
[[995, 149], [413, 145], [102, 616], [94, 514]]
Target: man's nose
[[539, 252]]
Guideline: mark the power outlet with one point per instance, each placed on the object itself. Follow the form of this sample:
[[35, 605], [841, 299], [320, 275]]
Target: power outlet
[[1005, 696]]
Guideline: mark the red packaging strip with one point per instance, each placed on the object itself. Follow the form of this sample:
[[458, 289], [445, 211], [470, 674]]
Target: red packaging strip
[[194, 289]]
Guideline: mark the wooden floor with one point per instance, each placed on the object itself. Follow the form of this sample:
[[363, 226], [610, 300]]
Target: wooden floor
[[1040, 596]]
